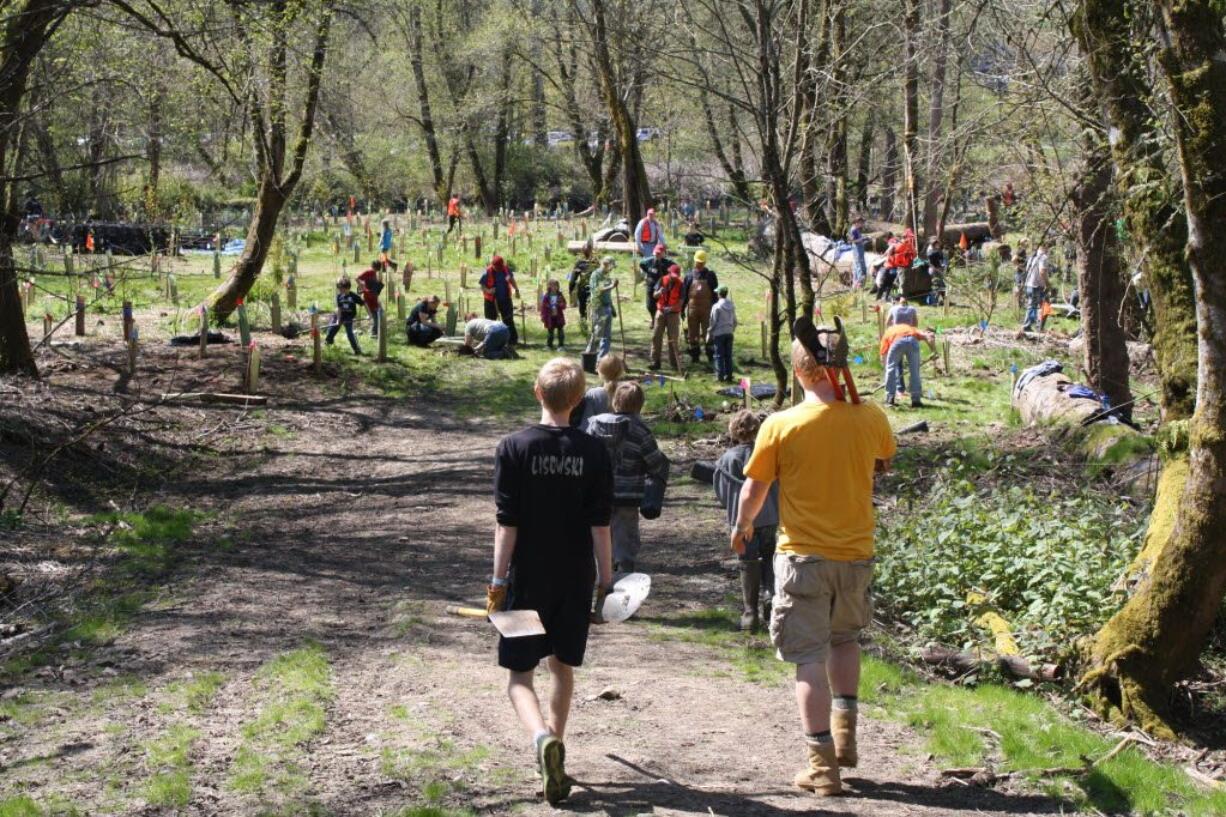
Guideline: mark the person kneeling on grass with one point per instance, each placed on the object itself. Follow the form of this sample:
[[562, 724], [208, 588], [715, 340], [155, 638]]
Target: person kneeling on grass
[[824, 561], [486, 338], [422, 326], [553, 489], [635, 457], [757, 571], [347, 304]]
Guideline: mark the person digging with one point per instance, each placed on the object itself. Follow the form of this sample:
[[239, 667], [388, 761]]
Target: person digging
[[553, 491], [824, 557]]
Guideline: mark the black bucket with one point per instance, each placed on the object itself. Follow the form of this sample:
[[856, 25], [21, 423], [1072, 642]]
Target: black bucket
[[589, 362]]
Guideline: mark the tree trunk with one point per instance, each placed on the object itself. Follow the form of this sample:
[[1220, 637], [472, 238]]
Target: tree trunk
[[889, 175], [1147, 191], [936, 117], [736, 175], [276, 185], [836, 158], [1101, 281], [910, 129], [864, 163], [1158, 636], [442, 189], [25, 31], [636, 193]]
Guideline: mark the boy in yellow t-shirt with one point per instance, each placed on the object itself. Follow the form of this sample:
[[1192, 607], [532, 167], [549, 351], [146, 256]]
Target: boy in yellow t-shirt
[[823, 452]]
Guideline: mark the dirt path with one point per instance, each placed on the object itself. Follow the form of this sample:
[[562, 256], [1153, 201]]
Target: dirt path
[[350, 528]]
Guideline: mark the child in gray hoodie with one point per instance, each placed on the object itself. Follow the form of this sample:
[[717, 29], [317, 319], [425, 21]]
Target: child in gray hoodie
[[757, 573]]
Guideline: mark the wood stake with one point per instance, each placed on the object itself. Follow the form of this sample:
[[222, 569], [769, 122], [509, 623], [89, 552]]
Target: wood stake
[[400, 307], [204, 331], [317, 344], [274, 310], [80, 325], [381, 317]]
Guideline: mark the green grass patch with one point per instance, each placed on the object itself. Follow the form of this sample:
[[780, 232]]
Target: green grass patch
[[168, 759], [147, 539], [297, 689], [1016, 732], [195, 694], [442, 756]]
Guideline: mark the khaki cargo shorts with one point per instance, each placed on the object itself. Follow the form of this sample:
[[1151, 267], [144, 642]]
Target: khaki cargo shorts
[[818, 603]]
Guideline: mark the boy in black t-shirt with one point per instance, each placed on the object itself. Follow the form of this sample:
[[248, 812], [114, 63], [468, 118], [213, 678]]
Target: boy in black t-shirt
[[553, 488]]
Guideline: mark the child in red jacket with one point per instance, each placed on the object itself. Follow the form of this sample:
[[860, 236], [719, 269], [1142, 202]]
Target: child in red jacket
[[553, 313]]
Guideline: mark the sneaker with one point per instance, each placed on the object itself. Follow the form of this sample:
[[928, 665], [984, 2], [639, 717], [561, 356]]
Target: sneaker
[[889, 401], [551, 755]]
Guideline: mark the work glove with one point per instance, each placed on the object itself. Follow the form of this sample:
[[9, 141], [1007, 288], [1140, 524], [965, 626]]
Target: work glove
[[495, 598], [598, 608]]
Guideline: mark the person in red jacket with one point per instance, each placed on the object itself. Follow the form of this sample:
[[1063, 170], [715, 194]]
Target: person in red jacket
[[668, 317], [371, 286], [455, 216], [497, 283]]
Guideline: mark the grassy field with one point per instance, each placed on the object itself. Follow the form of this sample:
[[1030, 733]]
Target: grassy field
[[974, 396]]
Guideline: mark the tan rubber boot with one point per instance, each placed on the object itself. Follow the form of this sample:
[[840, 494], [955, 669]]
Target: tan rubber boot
[[843, 728], [822, 775]]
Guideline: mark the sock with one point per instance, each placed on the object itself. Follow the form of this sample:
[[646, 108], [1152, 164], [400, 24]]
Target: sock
[[538, 736], [819, 738], [845, 703]]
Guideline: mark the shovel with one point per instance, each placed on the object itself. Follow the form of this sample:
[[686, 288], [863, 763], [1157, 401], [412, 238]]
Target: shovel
[[508, 623]]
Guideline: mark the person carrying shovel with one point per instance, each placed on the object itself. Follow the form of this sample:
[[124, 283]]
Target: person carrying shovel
[[553, 490], [824, 557]]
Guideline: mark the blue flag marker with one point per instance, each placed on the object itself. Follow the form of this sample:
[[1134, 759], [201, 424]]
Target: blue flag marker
[[983, 325], [661, 381], [698, 415], [1013, 368], [859, 360]]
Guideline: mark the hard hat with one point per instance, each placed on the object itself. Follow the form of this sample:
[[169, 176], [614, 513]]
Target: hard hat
[[700, 257]]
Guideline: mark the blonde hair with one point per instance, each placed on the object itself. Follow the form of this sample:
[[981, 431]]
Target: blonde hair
[[627, 399], [806, 367], [743, 427], [611, 369], [561, 383]]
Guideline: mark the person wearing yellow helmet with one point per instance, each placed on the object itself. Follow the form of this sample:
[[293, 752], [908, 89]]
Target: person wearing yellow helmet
[[697, 298]]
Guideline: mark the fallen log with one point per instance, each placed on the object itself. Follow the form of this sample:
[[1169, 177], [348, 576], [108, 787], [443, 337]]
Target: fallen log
[[576, 247], [964, 663], [214, 398]]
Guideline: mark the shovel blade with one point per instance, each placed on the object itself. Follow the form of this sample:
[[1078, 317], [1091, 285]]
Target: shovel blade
[[517, 623]]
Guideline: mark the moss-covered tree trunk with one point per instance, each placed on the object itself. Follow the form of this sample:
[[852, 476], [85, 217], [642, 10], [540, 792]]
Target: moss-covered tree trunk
[[1101, 280], [1157, 637], [1110, 33]]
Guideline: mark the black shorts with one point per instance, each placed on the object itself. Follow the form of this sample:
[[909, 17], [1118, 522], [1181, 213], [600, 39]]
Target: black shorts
[[565, 607]]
